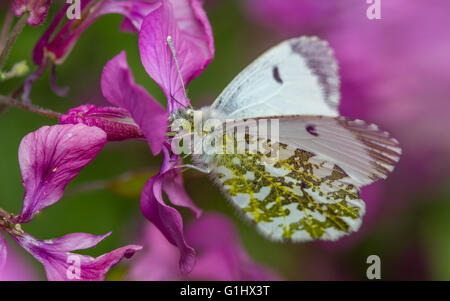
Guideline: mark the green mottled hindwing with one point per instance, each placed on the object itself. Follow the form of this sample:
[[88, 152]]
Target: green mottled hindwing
[[296, 197]]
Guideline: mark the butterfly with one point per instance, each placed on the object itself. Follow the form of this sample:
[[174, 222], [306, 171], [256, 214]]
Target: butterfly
[[311, 189]]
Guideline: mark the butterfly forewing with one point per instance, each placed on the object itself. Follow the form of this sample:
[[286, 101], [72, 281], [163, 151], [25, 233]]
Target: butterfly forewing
[[298, 76]]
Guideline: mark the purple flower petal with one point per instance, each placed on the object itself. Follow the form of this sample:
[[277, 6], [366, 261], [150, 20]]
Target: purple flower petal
[[186, 22], [119, 88], [38, 10], [158, 259], [61, 264], [40, 50], [172, 183], [76, 241], [18, 268], [134, 12], [221, 255], [3, 252], [50, 158], [174, 188], [59, 45], [116, 122], [168, 220]]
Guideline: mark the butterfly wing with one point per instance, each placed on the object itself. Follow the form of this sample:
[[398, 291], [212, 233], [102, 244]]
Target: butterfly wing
[[298, 76], [311, 189]]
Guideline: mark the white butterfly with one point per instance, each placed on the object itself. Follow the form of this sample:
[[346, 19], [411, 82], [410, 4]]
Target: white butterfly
[[311, 191]]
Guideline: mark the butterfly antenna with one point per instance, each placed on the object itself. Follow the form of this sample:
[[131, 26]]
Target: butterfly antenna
[[172, 49]]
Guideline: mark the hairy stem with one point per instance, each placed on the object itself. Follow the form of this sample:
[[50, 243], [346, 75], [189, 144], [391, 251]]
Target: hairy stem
[[8, 101], [12, 38]]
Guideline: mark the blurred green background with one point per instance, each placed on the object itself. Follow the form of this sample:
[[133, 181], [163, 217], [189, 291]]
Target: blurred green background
[[412, 240]]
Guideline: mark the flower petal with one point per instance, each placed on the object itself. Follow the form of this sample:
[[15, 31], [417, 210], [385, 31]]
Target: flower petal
[[222, 257], [119, 88], [50, 158], [18, 268], [134, 12], [186, 22], [64, 40], [116, 122], [158, 259], [172, 183], [76, 241], [168, 220], [60, 264], [38, 10], [174, 188], [3, 252]]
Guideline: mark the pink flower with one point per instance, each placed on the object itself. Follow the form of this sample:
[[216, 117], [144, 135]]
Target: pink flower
[[61, 264], [38, 10], [186, 23], [116, 122], [151, 120], [55, 46], [221, 254], [137, 114], [49, 159]]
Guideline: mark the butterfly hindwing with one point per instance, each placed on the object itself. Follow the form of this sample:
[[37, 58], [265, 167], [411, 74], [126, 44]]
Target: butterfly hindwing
[[310, 190], [298, 76], [298, 197]]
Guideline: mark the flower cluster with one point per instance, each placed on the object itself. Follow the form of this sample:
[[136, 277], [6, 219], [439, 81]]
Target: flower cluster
[[53, 155], [49, 159]]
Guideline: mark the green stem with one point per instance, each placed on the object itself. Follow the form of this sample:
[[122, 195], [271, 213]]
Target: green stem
[[6, 26], [11, 102], [12, 38]]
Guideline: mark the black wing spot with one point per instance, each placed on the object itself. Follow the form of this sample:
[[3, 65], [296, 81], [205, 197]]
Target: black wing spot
[[276, 74], [311, 128]]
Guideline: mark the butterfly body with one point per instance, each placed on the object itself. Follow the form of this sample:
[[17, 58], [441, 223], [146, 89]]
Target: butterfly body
[[297, 168]]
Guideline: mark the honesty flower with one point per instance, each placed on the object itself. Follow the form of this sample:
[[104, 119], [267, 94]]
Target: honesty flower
[[49, 159], [38, 10], [137, 114], [221, 254], [119, 88], [150, 120], [116, 122], [187, 24], [54, 47]]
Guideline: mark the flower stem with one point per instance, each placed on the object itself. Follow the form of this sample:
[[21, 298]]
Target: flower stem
[[28, 107], [12, 38], [6, 26]]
